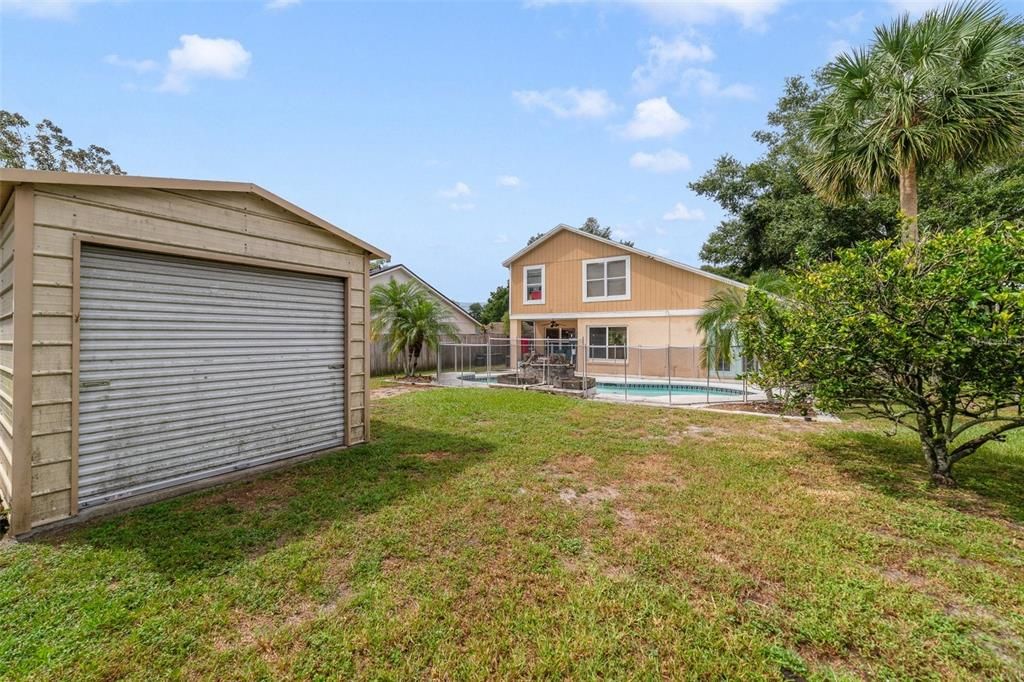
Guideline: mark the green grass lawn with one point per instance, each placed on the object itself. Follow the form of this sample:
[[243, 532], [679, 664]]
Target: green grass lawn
[[506, 534]]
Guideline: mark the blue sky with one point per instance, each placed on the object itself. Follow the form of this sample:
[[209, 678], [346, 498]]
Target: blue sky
[[447, 134]]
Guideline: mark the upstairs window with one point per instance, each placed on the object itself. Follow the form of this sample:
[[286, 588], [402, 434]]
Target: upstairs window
[[606, 279], [533, 284]]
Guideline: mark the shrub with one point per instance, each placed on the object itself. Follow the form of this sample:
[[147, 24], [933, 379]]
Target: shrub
[[930, 337]]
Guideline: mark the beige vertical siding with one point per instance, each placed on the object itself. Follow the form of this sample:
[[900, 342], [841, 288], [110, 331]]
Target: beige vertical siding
[[218, 224], [6, 350], [655, 285]]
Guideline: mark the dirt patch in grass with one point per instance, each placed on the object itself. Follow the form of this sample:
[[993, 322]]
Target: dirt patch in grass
[[435, 456], [590, 498], [657, 469], [901, 577], [762, 407], [394, 389]]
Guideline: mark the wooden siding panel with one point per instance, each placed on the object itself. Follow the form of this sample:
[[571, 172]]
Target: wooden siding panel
[[52, 358], [51, 419], [654, 286], [49, 507], [221, 224], [52, 328]]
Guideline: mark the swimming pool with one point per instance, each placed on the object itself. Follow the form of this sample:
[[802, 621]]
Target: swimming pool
[[651, 389], [661, 388]]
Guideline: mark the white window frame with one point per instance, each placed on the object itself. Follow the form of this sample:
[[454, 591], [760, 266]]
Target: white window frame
[[543, 284], [606, 297], [625, 346]]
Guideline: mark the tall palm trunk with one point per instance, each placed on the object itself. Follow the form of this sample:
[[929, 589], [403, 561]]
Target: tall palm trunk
[[908, 203]]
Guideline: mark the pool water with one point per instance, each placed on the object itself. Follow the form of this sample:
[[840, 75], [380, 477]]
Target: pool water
[[654, 389]]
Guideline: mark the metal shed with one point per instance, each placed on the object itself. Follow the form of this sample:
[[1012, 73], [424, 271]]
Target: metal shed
[[157, 335]]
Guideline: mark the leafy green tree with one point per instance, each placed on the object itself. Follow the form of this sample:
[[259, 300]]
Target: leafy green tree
[[48, 148], [947, 88], [929, 336], [410, 319], [495, 307], [719, 323], [590, 226], [773, 212]]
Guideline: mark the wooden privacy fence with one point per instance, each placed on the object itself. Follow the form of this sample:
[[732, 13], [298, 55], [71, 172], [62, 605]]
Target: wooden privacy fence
[[381, 362]]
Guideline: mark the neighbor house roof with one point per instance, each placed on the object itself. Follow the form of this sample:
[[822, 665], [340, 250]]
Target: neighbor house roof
[[410, 273], [9, 177], [631, 249]]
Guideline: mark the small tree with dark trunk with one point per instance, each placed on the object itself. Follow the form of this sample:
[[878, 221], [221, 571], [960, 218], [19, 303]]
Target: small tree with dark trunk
[[928, 337]]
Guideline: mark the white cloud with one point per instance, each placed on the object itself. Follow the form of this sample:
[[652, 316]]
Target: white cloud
[[509, 181], [681, 212], [199, 57], [660, 231], [45, 9], [459, 189], [461, 206], [664, 253], [655, 118], [281, 4], [848, 24], [709, 84], [838, 47], [665, 161], [136, 65], [664, 59], [501, 239], [568, 102], [750, 13]]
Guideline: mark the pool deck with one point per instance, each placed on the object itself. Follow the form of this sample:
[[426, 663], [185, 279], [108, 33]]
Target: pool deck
[[676, 398]]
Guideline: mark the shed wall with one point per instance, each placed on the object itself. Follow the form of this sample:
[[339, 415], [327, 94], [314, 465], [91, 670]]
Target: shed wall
[[7, 350], [221, 225]]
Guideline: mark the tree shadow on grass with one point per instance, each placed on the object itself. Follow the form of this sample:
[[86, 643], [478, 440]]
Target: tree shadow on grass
[[992, 478], [210, 532]]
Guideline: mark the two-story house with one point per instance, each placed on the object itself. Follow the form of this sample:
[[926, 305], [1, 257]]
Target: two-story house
[[623, 307]]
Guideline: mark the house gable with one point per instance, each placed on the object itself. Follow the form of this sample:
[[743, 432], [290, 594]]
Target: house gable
[[655, 283]]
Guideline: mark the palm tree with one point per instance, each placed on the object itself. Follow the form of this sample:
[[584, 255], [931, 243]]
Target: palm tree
[[423, 323], [719, 324], [410, 318], [947, 88]]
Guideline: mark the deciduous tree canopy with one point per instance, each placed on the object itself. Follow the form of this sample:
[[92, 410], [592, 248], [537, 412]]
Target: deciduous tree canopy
[[929, 336], [48, 148]]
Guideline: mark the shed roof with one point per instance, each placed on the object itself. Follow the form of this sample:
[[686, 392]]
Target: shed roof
[[9, 177]]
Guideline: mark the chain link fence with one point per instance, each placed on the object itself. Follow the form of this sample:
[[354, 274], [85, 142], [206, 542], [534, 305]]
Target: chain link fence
[[653, 374]]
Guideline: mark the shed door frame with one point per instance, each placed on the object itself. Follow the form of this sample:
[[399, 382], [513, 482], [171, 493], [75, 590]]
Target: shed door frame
[[134, 245]]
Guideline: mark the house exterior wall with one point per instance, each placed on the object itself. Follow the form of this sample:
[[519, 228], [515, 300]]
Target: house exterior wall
[[655, 286], [648, 338], [463, 325], [227, 226]]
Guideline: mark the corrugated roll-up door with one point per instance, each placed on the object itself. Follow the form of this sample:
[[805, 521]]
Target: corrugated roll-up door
[[191, 368]]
